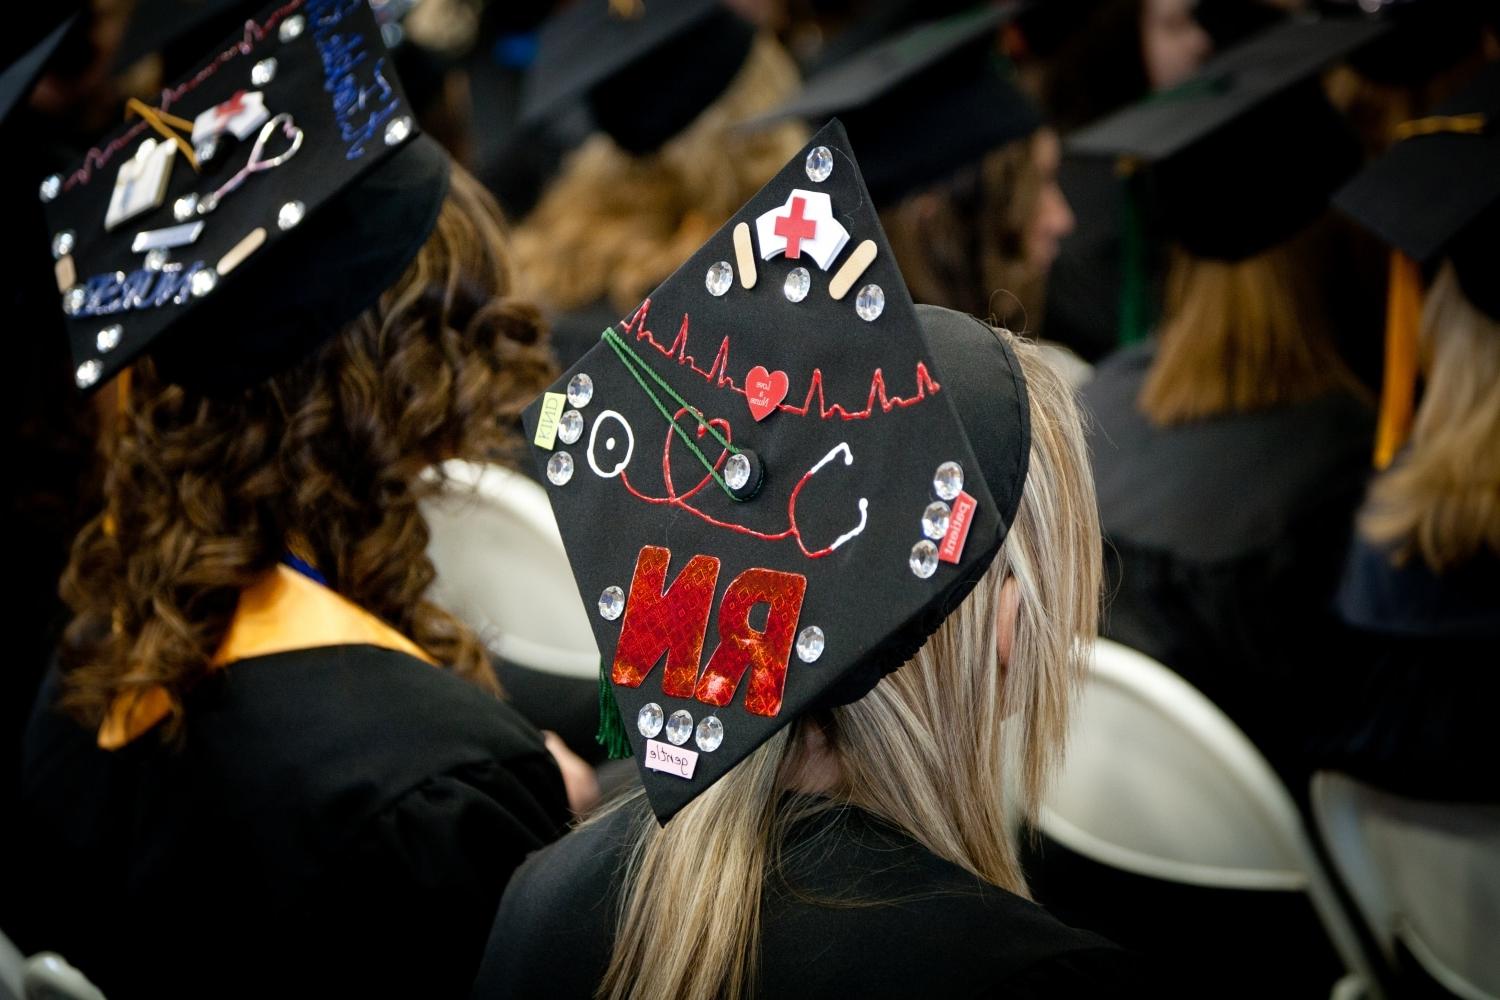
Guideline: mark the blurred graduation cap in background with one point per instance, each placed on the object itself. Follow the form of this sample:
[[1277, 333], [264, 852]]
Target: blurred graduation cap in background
[[1433, 197], [28, 44], [1428, 36], [646, 71], [274, 193], [923, 103]]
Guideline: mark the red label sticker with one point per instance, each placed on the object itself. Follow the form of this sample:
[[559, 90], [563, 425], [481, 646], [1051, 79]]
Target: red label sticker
[[958, 528]]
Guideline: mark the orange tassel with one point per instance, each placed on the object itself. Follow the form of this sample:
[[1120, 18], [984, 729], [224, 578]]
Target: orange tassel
[[1403, 322]]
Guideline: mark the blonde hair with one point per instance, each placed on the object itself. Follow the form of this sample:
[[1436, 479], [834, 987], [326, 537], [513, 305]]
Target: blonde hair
[[1441, 500], [1246, 335], [942, 748], [615, 226], [962, 242]]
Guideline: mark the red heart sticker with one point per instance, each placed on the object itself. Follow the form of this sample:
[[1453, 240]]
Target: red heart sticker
[[764, 391]]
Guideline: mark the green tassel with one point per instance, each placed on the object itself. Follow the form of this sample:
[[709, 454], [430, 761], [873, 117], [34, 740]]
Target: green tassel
[[611, 735], [1135, 318]]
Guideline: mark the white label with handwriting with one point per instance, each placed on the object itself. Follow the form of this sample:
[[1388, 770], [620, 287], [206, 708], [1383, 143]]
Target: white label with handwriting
[[671, 760]]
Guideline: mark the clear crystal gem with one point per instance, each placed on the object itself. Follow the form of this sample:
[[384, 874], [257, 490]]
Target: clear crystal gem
[[869, 303], [559, 468], [184, 208], [51, 187], [109, 338], [948, 480], [580, 390], [798, 281], [207, 149], [156, 259], [737, 472], [62, 244], [710, 734], [935, 520], [924, 559], [819, 164], [810, 644], [570, 427], [289, 214], [720, 276], [649, 719], [291, 28], [611, 599], [263, 72], [88, 373], [679, 727], [74, 299], [204, 281], [397, 130]]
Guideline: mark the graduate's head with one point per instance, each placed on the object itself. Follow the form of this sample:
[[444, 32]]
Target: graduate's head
[[288, 365], [837, 544]]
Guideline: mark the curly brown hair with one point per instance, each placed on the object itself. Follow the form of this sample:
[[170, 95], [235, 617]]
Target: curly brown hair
[[206, 492]]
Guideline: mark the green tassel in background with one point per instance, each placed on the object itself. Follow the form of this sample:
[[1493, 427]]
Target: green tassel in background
[[611, 735]]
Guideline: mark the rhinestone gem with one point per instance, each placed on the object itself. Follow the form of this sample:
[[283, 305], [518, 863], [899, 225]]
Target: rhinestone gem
[[397, 130], [649, 719], [290, 214], [935, 520], [291, 28], [156, 259], [720, 277], [869, 303], [263, 72], [109, 338], [612, 599], [948, 480], [810, 643], [924, 559], [62, 244], [74, 299], [580, 390], [204, 281], [207, 149], [185, 208], [559, 468], [798, 281], [679, 727], [88, 373], [51, 187], [710, 734], [570, 427], [819, 164], [737, 472]]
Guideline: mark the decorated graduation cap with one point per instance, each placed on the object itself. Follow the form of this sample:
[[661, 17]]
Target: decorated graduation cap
[[646, 69], [257, 206], [1246, 152], [1434, 196], [774, 480], [923, 103]]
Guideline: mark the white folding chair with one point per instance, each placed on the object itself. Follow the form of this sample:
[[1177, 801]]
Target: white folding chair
[[1160, 783], [1425, 875], [44, 976], [502, 570]]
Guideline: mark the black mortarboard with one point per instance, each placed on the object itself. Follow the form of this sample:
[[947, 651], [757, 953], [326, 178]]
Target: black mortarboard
[[314, 193], [1247, 151], [645, 74], [1428, 36], [28, 46], [1436, 192], [923, 103], [178, 28], [882, 458]]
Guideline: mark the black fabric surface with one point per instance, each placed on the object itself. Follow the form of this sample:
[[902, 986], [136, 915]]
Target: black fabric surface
[[337, 821], [918, 926], [1224, 540]]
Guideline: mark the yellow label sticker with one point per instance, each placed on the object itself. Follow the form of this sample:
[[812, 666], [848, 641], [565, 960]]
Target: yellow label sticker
[[546, 423]]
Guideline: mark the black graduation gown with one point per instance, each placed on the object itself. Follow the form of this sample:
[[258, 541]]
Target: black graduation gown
[[1411, 704], [1224, 540], [932, 929], [336, 821]]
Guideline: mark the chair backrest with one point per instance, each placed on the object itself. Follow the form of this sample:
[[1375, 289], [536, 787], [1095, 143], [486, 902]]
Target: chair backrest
[[1424, 874], [501, 568], [1159, 782]]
